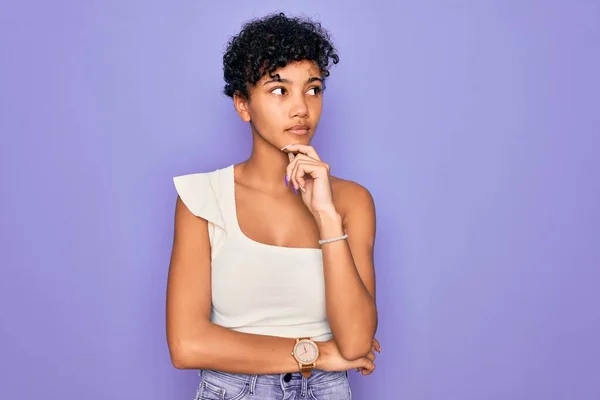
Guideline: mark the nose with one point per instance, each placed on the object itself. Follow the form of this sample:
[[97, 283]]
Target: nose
[[299, 107]]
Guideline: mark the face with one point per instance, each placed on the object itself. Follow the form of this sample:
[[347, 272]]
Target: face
[[306, 352], [285, 108]]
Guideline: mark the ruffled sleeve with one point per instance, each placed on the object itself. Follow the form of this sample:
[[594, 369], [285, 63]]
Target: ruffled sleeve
[[200, 195]]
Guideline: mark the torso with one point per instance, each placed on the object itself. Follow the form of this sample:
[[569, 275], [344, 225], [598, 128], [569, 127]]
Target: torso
[[266, 266]]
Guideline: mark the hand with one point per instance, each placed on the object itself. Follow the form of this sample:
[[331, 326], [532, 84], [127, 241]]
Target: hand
[[375, 348], [311, 177], [330, 359]]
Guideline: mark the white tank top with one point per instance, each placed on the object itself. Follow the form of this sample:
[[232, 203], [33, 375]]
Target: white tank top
[[256, 288]]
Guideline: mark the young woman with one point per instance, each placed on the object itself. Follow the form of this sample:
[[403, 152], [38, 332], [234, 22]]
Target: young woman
[[271, 288]]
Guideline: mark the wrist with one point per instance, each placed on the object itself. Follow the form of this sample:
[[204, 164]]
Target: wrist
[[329, 220], [330, 225], [322, 361]]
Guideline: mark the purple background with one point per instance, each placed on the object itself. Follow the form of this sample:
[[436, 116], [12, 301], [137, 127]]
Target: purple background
[[475, 124]]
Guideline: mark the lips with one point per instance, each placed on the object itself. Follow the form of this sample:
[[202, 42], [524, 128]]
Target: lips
[[299, 129]]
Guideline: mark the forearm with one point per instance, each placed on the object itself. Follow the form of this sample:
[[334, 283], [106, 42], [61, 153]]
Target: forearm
[[222, 349], [351, 310]]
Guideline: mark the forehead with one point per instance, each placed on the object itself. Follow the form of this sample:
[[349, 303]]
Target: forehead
[[296, 71]]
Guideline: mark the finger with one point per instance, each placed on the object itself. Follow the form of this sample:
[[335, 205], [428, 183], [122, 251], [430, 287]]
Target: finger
[[299, 181], [314, 169], [304, 149], [300, 156], [368, 367], [371, 356], [289, 168], [376, 345], [294, 159], [367, 364], [374, 349], [303, 168], [366, 372]]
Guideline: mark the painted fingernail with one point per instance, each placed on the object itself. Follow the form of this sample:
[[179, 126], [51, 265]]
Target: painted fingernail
[[286, 180], [295, 191]]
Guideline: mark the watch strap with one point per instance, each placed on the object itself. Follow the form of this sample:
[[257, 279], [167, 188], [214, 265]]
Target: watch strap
[[306, 369]]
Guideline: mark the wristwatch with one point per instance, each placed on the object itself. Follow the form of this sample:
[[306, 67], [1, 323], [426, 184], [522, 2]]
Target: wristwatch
[[306, 353]]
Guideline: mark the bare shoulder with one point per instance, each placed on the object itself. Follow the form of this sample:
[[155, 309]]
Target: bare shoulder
[[351, 197]]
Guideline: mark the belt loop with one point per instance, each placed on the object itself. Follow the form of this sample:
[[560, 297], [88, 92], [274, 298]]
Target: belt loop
[[304, 386], [253, 383]]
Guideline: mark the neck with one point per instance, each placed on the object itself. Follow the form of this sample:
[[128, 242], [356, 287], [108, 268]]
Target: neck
[[266, 167]]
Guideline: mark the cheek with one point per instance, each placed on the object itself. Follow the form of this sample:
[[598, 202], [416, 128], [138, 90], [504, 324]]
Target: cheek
[[315, 105], [269, 113]]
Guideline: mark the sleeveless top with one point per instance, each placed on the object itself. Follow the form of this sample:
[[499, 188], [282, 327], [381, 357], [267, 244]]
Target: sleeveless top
[[256, 288]]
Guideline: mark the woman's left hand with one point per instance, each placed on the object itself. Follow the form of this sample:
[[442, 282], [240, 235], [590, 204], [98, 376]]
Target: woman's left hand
[[310, 177]]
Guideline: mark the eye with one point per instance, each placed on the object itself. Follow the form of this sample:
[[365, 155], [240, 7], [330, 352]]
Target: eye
[[315, 91], [278, 91]]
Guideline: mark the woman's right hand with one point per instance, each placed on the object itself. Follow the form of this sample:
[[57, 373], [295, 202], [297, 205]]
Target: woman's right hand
[[330, 359]]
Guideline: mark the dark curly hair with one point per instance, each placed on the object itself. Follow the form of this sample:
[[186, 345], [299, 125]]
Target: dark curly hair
[[266, 44]]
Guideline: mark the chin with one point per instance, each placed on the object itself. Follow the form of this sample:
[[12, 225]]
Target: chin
[[290, 138], [299, 138]]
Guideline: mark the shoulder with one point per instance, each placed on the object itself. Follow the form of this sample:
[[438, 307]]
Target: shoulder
[[352, 197], [350, 191], [201, 192], [199, 176], [201, 180]]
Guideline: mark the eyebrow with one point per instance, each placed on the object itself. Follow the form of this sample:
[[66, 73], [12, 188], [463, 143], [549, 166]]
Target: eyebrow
[[277, 78]]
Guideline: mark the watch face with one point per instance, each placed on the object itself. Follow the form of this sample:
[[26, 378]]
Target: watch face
[[306, 352]]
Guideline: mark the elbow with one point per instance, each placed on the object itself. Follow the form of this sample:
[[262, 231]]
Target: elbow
[[355, 350], [180, 356], [179, 362], [355, 343], [187, 351]]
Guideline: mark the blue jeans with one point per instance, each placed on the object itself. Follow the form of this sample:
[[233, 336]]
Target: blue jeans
[[321, 385]]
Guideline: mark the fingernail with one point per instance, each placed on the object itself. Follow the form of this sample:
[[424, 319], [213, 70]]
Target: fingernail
[[286, 180], [295, 191]]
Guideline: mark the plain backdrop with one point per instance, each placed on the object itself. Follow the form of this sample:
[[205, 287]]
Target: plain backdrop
[[474, 124]]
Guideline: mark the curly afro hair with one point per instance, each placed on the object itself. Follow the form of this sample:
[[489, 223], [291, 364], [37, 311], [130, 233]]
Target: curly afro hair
[[264, 45]]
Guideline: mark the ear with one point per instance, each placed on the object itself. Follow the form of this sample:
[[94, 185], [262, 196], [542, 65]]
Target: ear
[[241, 106]]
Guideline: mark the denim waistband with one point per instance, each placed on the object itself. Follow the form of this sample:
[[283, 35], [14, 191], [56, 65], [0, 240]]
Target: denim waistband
[[317, 378]]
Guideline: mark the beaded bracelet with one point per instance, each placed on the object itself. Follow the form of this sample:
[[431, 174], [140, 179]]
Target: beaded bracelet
[[335, 239]]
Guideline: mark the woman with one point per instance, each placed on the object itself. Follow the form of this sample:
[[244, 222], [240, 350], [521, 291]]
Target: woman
[[271, 288]]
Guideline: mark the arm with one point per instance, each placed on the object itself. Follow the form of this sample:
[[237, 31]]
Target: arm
[[195, 342], [348, 265], [349, 271]]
